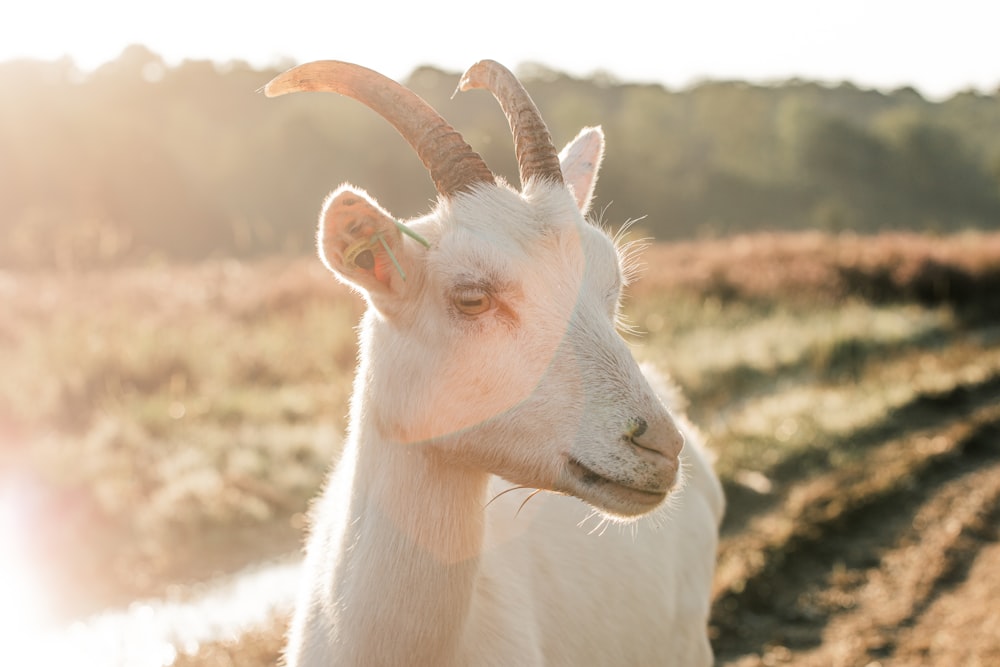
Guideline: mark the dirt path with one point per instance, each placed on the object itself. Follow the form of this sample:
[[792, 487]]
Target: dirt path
[[892, 560], [888, 555]]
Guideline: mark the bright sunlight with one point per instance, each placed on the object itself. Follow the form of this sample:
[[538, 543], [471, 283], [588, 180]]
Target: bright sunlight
[[23, 608]]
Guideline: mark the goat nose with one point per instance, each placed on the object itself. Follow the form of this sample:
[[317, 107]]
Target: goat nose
[[665, 440]]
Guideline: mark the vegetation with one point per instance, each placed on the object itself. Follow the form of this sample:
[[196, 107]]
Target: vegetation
[[177, 420], [176, 374], [139, 159]]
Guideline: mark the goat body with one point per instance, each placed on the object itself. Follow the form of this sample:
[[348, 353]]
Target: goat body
[[489, 360]]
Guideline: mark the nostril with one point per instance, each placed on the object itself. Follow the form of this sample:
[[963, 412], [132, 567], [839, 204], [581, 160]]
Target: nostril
[[664, 440], [637, 427]]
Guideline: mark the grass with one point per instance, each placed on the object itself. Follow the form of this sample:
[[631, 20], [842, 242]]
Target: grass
[[167, 406], [176, 420], [770, 382], [961, 270]]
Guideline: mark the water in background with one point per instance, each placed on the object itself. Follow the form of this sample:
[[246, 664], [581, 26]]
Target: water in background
[[153, 633]]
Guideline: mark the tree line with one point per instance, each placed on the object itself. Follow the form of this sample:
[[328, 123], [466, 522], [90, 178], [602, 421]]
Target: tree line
[[140, 160]]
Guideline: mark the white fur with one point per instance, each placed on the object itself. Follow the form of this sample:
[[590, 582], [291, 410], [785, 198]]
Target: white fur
[[408, 562]]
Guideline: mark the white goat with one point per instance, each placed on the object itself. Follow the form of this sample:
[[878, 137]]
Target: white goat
[[489, 359]]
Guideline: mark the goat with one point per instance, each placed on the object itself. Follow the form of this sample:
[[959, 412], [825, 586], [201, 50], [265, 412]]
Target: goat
[[489, 359]]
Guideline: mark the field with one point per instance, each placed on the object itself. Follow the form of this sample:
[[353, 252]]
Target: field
[[160, 426]]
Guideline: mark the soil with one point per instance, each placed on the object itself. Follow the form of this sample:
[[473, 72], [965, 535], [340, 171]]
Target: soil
[[892, 559], [889, 560], [887, 556]]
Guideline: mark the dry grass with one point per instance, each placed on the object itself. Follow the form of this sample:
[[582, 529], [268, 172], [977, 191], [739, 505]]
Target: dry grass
[[962, 269], [259, 648], [176, 420], [152, 408]]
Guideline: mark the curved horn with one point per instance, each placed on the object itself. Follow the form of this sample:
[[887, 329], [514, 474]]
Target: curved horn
[[453, 165], [536, 154]]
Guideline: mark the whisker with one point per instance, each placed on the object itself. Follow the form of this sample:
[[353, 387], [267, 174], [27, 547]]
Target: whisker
[[587, 518], [505, 491], [600, 525], [525, 501]]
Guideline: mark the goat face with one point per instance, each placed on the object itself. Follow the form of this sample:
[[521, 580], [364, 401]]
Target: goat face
[[495, 345], [499, 348]]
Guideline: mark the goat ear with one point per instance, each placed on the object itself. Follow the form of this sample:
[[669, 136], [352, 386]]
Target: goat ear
[[360, 242], [580, 160]]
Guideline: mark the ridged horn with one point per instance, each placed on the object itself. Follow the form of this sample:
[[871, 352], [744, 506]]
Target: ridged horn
[[536, 155], [453, 165]]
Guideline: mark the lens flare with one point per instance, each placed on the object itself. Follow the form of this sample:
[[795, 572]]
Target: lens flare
[[23, 608]]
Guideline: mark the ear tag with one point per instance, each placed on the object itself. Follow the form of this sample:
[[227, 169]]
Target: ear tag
[[360, 254]]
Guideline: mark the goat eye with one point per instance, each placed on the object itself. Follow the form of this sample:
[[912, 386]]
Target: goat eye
[[472, 301]]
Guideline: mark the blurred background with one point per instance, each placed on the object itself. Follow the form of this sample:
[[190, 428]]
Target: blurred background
[[720, 119], [821, 191]]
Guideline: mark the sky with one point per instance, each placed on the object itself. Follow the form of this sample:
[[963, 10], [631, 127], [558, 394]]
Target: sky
[[939, 48]]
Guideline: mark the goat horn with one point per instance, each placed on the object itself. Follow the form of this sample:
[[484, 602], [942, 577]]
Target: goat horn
[[536, 154], [453, 165]]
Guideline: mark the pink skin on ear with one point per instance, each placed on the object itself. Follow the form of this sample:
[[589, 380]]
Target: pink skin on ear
[[359, 240], [372, 254]]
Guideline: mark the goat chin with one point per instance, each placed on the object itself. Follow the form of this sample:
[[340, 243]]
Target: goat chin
[[489, 360]]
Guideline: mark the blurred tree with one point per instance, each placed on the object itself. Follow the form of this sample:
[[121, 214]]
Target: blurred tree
[[139, 158], [942, 177]]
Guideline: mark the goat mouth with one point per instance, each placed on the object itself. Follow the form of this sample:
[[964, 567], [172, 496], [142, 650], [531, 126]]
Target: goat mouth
[[621, 492]]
